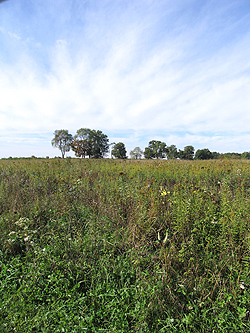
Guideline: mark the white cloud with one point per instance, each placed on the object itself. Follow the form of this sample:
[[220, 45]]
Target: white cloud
[[130, 70]]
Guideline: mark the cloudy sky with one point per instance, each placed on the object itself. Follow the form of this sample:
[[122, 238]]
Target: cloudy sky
[[138, 70]]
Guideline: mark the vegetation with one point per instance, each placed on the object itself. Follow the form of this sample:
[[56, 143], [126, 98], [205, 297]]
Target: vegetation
[[95, 144], [203, 154], [155, 149], [124, 246], [88, 142], [136, 153], [62, 140], [119, 150], [187, 153]]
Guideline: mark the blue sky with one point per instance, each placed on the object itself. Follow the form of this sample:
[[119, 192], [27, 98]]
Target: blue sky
[[138, 70]]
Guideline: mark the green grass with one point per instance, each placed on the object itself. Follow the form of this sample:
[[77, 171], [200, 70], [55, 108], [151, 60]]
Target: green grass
[[124, 246]]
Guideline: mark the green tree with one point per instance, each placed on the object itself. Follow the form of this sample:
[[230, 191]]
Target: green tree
[[136, 153], [148, 153], [119, 150], [172, 152], [203, 154], [155, 149], [96, 142], [187, 153], [99, 144], [62, 140]]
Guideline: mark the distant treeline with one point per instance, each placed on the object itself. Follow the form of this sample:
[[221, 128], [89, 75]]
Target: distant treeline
[[95, 144]]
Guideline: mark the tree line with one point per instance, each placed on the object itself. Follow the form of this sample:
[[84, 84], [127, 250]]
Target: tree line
[[95, 144]]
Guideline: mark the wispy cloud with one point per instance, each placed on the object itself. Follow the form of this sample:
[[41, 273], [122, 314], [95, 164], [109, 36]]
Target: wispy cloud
[[135, 66]]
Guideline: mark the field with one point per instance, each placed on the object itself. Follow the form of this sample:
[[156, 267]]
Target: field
[[124, 246]]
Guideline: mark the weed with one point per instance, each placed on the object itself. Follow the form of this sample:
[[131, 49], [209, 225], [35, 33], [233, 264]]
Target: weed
[[124, 246]]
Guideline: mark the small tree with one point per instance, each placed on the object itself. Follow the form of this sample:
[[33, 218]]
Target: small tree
[[62, 140], [119, 150], [136, 153]]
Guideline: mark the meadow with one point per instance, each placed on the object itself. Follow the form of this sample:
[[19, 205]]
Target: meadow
[[124, 245]]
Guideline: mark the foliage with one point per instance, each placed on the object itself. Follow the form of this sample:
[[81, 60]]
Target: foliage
[[215, 155], [119, 150], [91, 142], [155, 149], [136, 153], [124, 246], [231, 155], [203, 154], [81, 147], [187, 153], [62, 140], [172, 152], [246, 155]]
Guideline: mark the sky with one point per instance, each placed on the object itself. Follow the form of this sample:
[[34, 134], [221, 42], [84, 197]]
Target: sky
[[138, 70]]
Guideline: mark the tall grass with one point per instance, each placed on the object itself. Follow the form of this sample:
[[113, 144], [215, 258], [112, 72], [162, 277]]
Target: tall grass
[[124, 246]]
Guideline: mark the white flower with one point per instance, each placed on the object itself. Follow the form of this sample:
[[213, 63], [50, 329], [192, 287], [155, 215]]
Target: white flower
[[242, 285], [26, 239]]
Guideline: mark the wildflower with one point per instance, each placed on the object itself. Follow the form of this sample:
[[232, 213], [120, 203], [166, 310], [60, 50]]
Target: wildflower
[[164, 193], [27, 238], [242, 285], [238, 172], [214, 221]]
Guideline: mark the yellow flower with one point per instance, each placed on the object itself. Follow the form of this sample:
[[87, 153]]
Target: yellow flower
[[163, 193]]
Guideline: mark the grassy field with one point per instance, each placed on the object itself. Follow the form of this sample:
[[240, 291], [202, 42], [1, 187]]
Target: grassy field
[[124, 246]]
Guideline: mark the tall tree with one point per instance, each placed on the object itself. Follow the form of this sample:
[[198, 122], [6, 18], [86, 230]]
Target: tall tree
[[62, 140], [119, 150], [99, 144], [96, 141], [136, 153], [155, 149]]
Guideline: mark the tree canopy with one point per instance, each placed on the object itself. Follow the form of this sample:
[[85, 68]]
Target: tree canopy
[[203, 154], [119, 150], [172, 152], [91, 143], [155, 149], [187, 153], [81, 147]]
